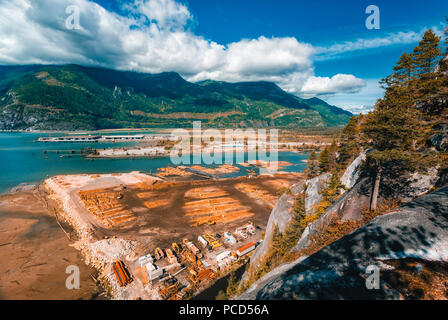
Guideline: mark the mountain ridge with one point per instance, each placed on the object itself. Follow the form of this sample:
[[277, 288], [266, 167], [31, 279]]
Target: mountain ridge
[[77, 97]]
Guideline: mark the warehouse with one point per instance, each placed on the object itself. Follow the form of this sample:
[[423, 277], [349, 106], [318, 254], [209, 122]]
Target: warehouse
[[245, 249]]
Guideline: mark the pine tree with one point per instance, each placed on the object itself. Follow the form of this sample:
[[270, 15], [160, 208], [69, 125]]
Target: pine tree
[[350, 146], [427, 55], [397, 129], [276, 239], [332, 151], [403, 72], [324, 160], [232, 284], [313, 166], [334, 189], [296, 226]]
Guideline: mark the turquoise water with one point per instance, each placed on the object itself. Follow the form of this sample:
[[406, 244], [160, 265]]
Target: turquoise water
[[23, 160]]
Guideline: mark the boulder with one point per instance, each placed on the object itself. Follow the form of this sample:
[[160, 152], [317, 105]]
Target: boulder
[[352, 173], [314, 186], [280, 216], [418, 229]]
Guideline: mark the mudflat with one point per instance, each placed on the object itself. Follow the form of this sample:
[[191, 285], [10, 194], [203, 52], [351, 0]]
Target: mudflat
[[36, 251]]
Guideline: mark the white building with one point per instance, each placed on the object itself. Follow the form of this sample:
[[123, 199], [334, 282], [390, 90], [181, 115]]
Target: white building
[[145, 259], [203, 241], [153, 271], [229, 238]]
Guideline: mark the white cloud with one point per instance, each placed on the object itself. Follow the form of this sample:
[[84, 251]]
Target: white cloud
[[155, 36], [165, 13], [362, 101], [364, 109], [346, 83], [391, 39]]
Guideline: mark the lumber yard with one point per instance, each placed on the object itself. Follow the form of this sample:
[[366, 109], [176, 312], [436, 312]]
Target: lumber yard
[[183, 268]]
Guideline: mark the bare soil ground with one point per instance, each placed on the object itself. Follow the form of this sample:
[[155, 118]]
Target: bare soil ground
[[166, 212], [36, 252]]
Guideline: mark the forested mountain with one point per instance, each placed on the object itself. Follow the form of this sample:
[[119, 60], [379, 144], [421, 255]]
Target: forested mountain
[[76, 97]]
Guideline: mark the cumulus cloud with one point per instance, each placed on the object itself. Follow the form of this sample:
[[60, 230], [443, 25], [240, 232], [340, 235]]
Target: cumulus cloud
[[362, 101], [346, 83], [165, 13], [155, 36]]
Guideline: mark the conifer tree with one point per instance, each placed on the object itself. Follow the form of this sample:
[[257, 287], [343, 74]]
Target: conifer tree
[[334, 189], [427, 55], [295, 228], [332, 151], [403, 72], [397, 128], [350, 146], [324, 160], [313, 166]]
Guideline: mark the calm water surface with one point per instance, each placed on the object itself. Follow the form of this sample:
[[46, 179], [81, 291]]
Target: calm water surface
[[24, 160]]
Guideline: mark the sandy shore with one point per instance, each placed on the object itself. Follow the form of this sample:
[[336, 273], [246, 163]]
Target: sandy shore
[[36, 251], [157, 213]]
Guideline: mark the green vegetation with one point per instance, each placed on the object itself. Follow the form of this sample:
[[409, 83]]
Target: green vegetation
[[96, 98], [397, 133], [312, 169], [401, 124]]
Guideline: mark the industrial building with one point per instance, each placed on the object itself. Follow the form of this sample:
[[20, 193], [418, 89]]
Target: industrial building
[[145, 259], [245, 249], [153, 271], [203, 241], [229, 238]]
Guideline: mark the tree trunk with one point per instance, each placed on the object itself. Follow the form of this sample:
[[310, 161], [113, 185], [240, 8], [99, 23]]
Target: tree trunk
[[375, 191]]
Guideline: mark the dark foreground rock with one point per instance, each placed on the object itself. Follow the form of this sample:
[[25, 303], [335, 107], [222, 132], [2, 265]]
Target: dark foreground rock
[[417, 230]]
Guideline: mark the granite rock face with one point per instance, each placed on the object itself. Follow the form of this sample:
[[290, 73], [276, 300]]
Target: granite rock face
[[282, 212], [418, 229], [280, 216], [347, 207], [313, 188], [352, 173], [23, 117]]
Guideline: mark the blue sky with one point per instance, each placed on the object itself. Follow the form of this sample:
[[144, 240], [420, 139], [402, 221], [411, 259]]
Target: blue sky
[[309, 48]]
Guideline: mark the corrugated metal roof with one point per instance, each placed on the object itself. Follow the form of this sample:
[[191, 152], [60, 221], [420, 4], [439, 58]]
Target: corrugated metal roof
[[247, 246]]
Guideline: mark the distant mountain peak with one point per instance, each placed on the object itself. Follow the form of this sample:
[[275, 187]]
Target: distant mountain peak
[[79, 97]]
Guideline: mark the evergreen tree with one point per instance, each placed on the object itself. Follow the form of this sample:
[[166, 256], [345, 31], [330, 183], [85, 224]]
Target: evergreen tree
[[334, 189], [397, 128], [296, 226], [427, 55], [350, 146], [313, 166], [332, 153], [232, 284], [403, 72], [324, 161], [276, 239]]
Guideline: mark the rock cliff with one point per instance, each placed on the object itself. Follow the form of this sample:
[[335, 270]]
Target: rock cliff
[[417, 230]]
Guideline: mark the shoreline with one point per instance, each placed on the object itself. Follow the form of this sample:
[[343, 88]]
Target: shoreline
[[100, 245], [30, 232]]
